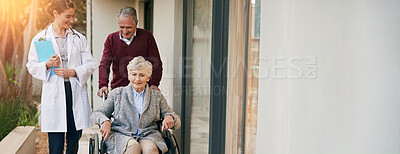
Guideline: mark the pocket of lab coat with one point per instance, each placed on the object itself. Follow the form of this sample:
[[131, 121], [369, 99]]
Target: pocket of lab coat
[[76, 58], [49, 92]]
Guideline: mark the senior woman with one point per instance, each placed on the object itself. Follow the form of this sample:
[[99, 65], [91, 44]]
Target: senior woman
[[136, 109]]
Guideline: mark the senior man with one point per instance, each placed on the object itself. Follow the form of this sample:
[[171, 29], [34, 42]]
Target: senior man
[[122, 46]]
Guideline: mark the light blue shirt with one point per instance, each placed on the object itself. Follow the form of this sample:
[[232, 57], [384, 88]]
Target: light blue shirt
[[127, 41], [138, 99]]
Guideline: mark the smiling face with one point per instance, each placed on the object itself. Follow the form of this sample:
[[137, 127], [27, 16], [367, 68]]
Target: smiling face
[[65, 18], [127, 26], [138, 79]]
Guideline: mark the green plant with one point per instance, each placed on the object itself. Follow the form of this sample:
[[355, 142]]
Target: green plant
[[29, 115], [16, 112], [16, 105], [10, 113], [80, 16], [10, 72]]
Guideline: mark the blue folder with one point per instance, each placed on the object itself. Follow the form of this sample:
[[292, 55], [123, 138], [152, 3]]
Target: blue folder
[[45, 50]]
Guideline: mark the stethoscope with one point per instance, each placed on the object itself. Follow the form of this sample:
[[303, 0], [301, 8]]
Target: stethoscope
[[73, 40]]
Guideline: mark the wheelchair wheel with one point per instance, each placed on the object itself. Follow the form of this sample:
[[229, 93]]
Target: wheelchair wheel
[[94, 144], [91, 143], [102, 146]]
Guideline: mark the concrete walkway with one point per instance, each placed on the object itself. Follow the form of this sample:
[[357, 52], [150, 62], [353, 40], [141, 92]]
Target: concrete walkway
[[86, 135]]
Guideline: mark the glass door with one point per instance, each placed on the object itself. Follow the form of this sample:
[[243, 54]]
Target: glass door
[[197, 69]]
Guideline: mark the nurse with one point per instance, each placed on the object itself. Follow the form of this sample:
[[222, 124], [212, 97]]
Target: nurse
[[64, 104]]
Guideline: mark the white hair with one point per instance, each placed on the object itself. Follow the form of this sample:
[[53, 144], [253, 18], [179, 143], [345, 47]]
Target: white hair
[[139, 63], [128, 11]]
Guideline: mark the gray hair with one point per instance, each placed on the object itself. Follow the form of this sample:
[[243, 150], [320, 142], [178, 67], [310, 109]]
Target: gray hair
[[139, 63], [128, 11]]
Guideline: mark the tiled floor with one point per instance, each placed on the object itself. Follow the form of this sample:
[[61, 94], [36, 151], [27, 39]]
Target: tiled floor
[[199, 126]]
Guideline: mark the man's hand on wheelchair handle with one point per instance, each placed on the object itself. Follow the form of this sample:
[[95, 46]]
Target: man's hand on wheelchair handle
[[101, 90], [155, 87], [105, 129], [168, 122]]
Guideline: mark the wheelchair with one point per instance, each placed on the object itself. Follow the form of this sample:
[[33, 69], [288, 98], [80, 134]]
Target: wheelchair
[[168, 137], [94, 140], [94, 145]]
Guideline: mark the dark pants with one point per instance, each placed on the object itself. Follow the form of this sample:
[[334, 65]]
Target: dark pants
[[56, 139]]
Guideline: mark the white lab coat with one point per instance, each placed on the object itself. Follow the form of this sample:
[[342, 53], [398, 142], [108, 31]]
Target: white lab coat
[[53, 102]]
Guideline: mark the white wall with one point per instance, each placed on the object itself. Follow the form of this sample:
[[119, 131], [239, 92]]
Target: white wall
[[104, 22], [352, 106], [163, 31]]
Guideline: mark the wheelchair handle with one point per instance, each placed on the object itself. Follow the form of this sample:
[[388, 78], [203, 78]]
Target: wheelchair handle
[[104, 96]]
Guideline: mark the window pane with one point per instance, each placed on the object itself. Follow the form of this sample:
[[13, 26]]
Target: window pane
[[200, 79]]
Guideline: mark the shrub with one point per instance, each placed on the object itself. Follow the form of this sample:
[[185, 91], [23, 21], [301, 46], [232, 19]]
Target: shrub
[[16, 105]]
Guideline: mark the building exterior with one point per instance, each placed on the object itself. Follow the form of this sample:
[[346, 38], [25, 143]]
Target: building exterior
[[272, 76]]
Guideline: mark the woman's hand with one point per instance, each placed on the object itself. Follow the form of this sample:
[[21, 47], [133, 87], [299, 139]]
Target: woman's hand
[[53, 61], [168, 122], [64, 72], [105, 129]]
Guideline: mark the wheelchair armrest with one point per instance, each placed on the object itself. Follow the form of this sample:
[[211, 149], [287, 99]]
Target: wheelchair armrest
[[159, 124]]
